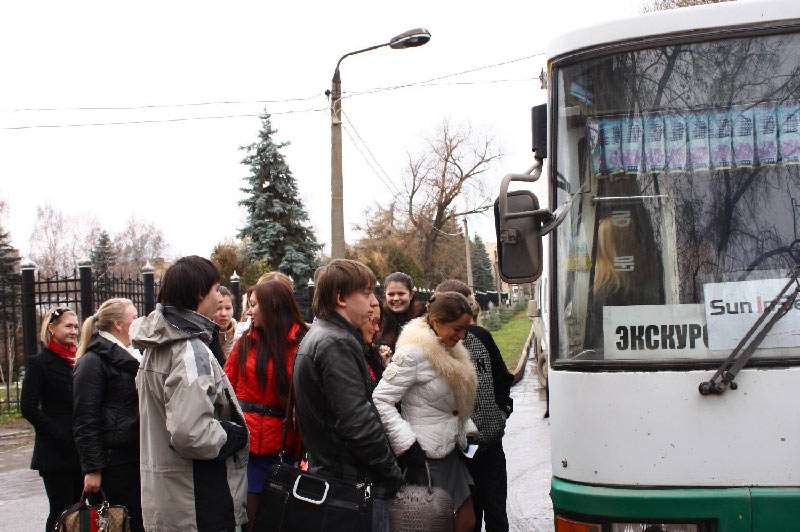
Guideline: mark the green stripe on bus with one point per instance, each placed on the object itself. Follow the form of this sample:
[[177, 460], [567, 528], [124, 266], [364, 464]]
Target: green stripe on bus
[[734, 509]]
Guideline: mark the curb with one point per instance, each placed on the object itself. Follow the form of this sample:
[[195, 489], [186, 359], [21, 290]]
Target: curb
[[17, 434]]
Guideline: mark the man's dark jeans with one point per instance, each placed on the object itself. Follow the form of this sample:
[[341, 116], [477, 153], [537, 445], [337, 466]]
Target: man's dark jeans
[[488, 470]]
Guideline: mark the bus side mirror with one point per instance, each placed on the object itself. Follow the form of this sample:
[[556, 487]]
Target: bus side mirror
[[519, 242]]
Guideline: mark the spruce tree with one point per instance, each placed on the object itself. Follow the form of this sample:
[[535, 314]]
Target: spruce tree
[[481, 266], [104, 256], [9, 259], [275, 215]]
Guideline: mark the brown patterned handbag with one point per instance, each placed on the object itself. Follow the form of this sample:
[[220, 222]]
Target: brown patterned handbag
[[103, 517]]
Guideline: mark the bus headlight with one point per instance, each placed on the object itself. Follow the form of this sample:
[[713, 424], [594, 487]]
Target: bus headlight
[[653, 527], [569, 525]]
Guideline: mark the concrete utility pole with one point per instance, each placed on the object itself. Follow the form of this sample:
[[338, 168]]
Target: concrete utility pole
[[337, 192], [470, 283], [408, 39]]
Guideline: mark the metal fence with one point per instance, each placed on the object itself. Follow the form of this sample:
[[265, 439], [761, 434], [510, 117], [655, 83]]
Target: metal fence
[[23, 303]]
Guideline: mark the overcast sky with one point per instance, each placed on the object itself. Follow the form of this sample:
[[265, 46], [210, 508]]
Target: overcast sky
[[161, 58]]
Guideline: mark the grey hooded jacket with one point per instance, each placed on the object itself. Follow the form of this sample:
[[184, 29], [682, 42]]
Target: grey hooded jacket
[[190, 481]]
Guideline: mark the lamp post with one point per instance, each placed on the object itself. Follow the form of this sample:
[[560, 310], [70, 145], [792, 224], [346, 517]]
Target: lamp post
[[408, 39]]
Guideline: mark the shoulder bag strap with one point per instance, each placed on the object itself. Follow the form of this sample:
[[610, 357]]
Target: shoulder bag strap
[[288, 409]]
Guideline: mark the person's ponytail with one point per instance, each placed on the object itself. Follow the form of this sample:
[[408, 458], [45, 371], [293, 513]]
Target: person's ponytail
[[87, 331]]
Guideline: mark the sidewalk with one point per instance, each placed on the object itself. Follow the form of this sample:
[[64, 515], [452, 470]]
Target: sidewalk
[[527, 446], [23, 503]]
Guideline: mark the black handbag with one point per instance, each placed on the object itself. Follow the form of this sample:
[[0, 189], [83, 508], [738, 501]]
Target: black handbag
[[294, 500]]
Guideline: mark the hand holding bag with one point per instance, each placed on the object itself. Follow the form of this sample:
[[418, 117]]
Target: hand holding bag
[[297, 501], [421, 508], [103, 517]]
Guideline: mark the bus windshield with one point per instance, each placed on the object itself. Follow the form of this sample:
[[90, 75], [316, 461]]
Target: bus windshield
[[685, 160]]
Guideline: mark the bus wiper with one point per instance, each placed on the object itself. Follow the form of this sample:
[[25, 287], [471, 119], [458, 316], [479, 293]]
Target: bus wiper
[[725, 375]]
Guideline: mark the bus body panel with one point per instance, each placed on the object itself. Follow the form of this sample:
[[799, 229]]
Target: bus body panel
[[655, 429], [684, 20], [731, 509]]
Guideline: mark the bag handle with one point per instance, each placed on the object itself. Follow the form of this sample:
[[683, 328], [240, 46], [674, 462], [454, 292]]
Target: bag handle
[[427, 471], [282, 452]]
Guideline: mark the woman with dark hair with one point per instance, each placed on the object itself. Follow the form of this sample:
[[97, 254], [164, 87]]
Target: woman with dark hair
[[47, 403], [432, 376], [260, 369], [399, 307], [376, 356]]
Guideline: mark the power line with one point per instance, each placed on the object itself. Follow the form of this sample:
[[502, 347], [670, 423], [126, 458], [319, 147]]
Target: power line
[[366, 160], [287, 100], [160, 120], [389, 179], [163, 106], [438, 78]]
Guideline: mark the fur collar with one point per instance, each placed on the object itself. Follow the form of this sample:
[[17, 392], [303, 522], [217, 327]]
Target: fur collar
[[452, 363]]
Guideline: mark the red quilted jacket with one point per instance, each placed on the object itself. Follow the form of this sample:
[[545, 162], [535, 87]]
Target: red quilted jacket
[[265, 431]]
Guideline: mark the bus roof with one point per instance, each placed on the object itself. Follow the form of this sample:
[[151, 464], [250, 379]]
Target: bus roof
[[726, 14]]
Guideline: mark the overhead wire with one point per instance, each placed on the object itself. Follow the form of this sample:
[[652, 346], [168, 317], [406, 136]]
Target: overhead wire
[[431, 80], [160, 106], [160, 120], [428, 82], [366, 159], [391, 185]]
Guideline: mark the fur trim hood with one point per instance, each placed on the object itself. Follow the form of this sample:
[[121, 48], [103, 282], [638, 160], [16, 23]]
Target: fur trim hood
[[452, 363]]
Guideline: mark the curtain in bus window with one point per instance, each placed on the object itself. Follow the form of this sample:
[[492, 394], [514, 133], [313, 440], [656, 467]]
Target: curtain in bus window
[[741, 136]]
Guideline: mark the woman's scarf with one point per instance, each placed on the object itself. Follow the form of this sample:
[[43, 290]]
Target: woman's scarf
[[67, 353]]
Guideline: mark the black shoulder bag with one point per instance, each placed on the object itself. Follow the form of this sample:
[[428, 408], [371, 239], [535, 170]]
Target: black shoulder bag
[[297, 501]]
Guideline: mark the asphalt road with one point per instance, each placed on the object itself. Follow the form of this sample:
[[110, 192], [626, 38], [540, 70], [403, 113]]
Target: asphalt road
[[23, 504]]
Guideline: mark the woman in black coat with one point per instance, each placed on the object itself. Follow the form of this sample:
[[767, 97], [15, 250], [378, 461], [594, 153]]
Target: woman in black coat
[[106, 421], [46, 402]]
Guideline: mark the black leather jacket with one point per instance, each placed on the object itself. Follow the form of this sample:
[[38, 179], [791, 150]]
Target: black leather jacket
[[340, 426], [106, 418]]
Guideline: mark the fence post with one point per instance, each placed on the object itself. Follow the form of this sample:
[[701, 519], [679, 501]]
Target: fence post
[[28, 269], [87, 306], [148, 275], [309, 299], [236, 290]]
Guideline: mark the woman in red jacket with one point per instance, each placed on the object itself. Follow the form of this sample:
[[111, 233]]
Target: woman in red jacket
[[260, 370]]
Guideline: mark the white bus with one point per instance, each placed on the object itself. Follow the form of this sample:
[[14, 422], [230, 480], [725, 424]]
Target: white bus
[[672, 146]]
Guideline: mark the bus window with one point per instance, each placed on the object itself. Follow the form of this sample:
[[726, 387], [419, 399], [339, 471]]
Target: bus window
[[687, 218]]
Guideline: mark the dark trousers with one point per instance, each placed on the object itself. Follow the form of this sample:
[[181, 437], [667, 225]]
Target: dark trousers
[[122, 486], [488, 470], [63, 490]]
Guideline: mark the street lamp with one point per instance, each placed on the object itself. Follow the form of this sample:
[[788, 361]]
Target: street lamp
[[408, 39]]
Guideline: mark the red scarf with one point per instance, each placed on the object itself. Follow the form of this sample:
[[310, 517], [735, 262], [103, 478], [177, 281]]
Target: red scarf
[[67, 353]]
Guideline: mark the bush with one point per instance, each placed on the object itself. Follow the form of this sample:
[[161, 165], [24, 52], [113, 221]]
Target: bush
[[497, 317], [492, 321]]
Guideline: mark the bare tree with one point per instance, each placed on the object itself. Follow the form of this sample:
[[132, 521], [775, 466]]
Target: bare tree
[[138, 242], [443, 182], [58, 241]]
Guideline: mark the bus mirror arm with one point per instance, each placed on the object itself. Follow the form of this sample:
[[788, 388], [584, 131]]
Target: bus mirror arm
[[549, 220], [725, 375]]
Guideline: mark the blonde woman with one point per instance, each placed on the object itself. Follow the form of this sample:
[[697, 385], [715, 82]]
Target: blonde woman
[[106, 420], [47, 403], [224, 319]]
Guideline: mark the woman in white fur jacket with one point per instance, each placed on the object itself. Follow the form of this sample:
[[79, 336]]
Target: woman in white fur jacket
[[432, 376]]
